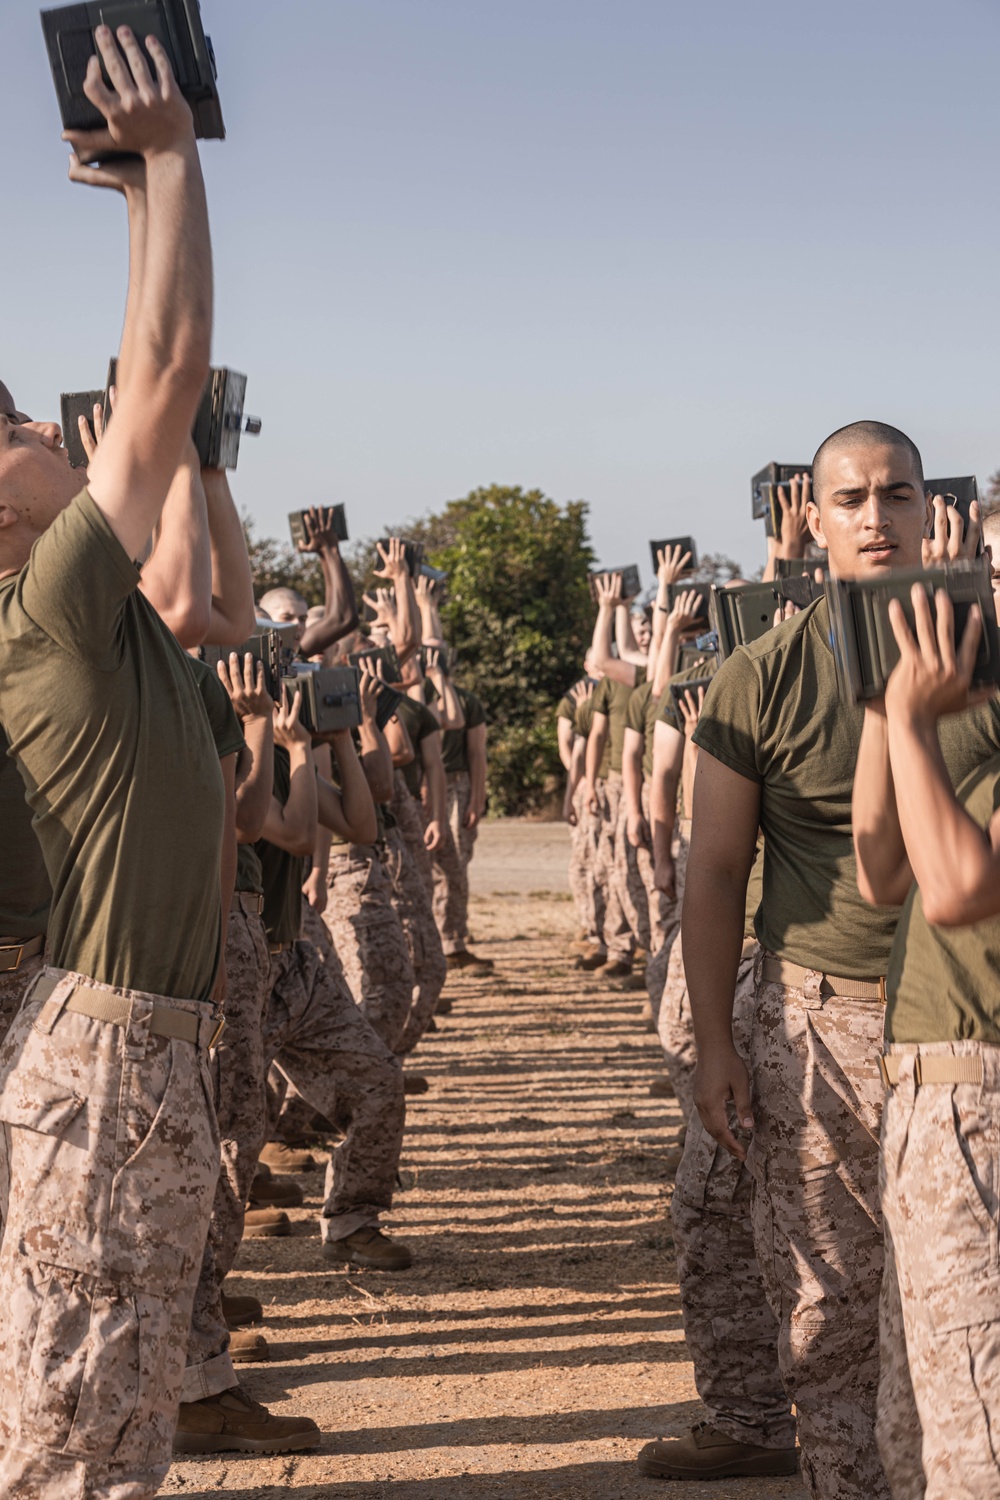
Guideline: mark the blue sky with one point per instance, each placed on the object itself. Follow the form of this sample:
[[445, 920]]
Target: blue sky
[[626, 252]]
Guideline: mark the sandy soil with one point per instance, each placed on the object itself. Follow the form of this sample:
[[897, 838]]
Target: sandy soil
[[536, 1343]]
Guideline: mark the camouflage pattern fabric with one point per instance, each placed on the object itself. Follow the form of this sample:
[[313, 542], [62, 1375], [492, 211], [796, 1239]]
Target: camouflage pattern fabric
[[237, 1069], [113, 1154], [656, 968], [675, 1028], [450, 865], [941, 1300], [730, 1330], [587, 891], [814, 1158], [628, 878], [369, 939], [13, 988], [413, 905], [325, 1046], [618, 936]]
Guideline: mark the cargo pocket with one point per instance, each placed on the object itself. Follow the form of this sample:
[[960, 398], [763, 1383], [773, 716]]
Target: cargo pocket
[[97, 1361]]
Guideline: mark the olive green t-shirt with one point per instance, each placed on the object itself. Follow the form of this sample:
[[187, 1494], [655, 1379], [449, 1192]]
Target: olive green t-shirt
[[611, 699], [454, 742], [773, 715], [642, 714], [25, 892], [584, 724], [282, 873], [111, 738], [944, 982], [249, 876], [419, 722], [566, 708]]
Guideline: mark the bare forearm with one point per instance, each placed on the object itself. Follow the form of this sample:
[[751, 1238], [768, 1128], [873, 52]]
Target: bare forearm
[[356, 799], [477, 779], [376, 760], [632, 773], [437, 786], [666, 657], [628, 649], [406, 635], [300, 812], [254, 779], [712, 923], [884, 874], [596, 741], [663, 812], [341, 615], [952, 858]]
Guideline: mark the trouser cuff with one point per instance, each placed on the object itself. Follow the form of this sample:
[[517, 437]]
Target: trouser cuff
[[769, 1433], [208, 1379], [339, 1226]]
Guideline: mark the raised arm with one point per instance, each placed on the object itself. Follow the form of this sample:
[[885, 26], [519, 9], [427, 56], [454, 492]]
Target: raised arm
[[349, 812], [609, 593], [168, 332], [292, 827], [341, 615], [404, 625], [670, 565], [232, 614], [177, 576], [955, 862], [244, 682]]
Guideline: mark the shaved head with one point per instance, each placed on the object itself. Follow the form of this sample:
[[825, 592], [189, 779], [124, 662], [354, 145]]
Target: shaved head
[[858, 436], [282, 602]]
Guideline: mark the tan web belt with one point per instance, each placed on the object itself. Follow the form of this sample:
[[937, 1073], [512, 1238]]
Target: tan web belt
[[13, 955], [181, 1025], [777, 971], [943, 1069]]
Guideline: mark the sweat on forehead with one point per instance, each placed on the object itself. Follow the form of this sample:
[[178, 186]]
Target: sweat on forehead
[[864, 435]]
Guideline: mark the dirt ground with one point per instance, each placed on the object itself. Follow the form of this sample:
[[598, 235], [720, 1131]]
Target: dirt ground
[[537, 1342]]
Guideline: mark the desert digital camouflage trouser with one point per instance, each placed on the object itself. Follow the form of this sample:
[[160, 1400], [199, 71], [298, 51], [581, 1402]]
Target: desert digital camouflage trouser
[[587, 892], [113, 1157], [814, 1158], [939, 1391], [450, 864], [618, 937], [321, 1042], [658, 965], [730, 1330], [369, 938], [13, 988], [413, 905], [628, 878], [237, 1069]]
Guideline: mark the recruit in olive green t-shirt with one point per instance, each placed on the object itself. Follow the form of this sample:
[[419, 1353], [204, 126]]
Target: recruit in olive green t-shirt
[[566, 708], [420, 723], [25, 892], [944, 982], [123, 779], [611, 699], [584, 724], [454, 742], [641, 716], [773, 714]]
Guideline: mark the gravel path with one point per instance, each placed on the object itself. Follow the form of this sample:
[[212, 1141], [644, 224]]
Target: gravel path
[[536, 1343]]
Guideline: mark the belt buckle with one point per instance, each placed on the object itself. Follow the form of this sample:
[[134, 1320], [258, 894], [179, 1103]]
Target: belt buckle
[[12, 968], [217, 1033], [883, 1069]]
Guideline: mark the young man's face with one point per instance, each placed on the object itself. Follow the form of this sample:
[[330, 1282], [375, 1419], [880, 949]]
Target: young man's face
[[36, 480], [642, 631], [869, 512]]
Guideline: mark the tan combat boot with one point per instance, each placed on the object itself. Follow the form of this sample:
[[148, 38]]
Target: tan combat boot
[[248, 1348], [370, 1248], [709, 1454], [275, 1192], [266, 1224], [415, 1083], [662, 1088], [284, 1158], [232, 1423], [240, 1310]]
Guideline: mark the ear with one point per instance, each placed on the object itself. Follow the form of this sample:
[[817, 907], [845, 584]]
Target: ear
[[8, 516], [816, 525]]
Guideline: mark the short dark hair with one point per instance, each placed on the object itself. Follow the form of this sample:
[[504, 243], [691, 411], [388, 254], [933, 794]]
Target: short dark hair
[[866, 435]]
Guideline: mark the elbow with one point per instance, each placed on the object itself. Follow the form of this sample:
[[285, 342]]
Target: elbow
[[189, 621], [365, 830], [950, 905]]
